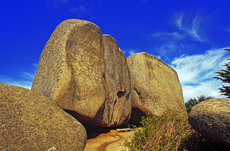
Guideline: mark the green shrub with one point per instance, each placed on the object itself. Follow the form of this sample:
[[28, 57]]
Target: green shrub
[[192, 102], [160, 133], [169, 132]]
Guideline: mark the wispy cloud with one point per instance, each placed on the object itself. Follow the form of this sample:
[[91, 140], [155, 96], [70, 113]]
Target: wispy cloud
[[178, 19], [21, 83], [166, 35], [159, 57], [190, 26], [207, 88], [131, 52], [171, 49], [196, 73], [166, 49], [174, 43], [24, 80], [166, 43]]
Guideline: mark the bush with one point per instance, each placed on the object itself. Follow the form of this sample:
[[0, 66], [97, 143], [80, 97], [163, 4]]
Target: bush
[[169, 132], [160, 133], [192, 102]]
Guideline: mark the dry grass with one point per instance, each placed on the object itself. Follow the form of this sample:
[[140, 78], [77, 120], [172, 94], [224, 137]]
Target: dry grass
[[170, 132]]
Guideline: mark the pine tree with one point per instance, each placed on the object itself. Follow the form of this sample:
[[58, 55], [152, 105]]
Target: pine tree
[[224, 76]]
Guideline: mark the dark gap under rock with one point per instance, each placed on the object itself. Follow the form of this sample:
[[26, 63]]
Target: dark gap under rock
[[94, 131], [137, 114]]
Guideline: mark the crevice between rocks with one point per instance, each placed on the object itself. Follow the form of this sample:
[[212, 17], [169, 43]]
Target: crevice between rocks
[[138, 93], [121, 93]]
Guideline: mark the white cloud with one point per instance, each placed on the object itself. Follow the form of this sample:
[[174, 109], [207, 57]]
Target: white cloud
[[174, 35], [174, 43], [25, 79], [196, 73], [159, 57], [207, 88], [128, 52], [131, 52], [192, 29], [166, 50], [35, 65], [21, 83], [169, 44], [195, 27], [179, 19]]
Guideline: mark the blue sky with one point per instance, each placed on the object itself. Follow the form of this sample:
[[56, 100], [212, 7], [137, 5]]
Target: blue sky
[[187, 35]]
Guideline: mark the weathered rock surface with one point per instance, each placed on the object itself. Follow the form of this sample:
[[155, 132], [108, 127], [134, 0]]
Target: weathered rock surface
[[72, 72], [30, 121], [155, 87], [211, 118], [118, 105], [112, 141]]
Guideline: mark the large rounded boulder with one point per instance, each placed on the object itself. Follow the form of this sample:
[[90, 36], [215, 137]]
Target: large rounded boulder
[[211, 118], [155, 87], [72, 72], [31, 121]]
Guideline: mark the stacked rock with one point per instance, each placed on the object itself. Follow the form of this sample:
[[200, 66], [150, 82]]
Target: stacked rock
[[86, 74]]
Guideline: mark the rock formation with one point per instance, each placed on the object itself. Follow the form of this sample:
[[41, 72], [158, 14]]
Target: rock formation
[[30, 121], [75, 72], [155, 87], [211, 118]]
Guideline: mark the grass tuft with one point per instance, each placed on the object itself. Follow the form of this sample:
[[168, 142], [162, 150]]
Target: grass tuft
[[170, 132]]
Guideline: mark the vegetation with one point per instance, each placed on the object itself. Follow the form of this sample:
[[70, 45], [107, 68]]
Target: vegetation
[[224, 76], [169, 132], [192, 102]]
